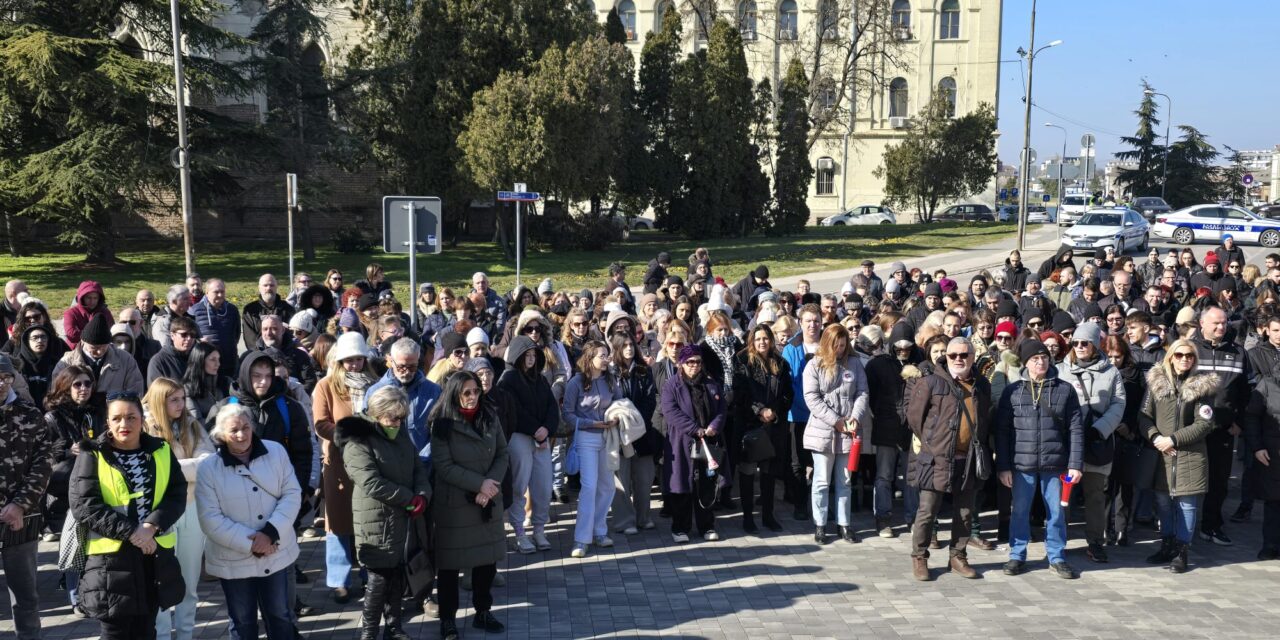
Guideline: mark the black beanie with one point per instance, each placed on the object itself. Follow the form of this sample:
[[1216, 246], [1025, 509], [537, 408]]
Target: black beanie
[[365, 301], [762, 272], [1091, 311], [451, 342], [933, 289], [1063, 322], [1007, 308], [97, 332], [1030, 349]]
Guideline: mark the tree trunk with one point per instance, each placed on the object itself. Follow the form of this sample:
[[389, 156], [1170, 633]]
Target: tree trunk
[[10, 233], [500, 222], [302, 166]]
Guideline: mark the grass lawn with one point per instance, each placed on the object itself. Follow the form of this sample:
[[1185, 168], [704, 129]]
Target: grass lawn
[[52, 276]]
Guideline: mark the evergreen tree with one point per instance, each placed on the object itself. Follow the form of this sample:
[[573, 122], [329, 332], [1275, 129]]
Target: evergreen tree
[[793, 171], [291, 75], [614, 32], [87, 120], [1231, 186], [1191, 170], [1144, 179], [657, 173]]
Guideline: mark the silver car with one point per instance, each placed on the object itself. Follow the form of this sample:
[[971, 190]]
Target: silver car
[[1119, 227]]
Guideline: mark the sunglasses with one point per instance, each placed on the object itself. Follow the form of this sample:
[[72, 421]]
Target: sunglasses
[[957, 356], [35, 317], [533, 328], [1003, 337], [1082, 343], [579, 324], [1035, 323], [459, 353], [693, 361], [85, 384], [1183, 355], [183, 334], [676, 345]]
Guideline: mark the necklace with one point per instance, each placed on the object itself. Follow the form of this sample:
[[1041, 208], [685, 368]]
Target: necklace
[[1037, 388]]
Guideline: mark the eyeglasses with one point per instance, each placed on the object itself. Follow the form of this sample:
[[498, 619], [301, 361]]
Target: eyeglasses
[[579, 324], [404, 367], [1081, 343], [337, 278], [957, 356], [459, 353], [675, 344], [1183, 355], [1004, 337], [35, 317], [6, 378], [132, 322], [1035, 323], [183, 334], [693, 361], [82, 384], [38, 337]]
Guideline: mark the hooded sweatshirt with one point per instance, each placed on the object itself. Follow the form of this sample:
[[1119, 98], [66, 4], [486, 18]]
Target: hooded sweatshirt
[[529, 391], [269, 415], [77, 315]]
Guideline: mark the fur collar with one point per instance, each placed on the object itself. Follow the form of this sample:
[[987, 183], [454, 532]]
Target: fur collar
[[1198, 386], [353, 428]]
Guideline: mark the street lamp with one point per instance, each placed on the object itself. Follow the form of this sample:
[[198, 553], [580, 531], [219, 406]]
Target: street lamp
[[1026, 126], [181, 158], [1061, 186], [1164, 173]]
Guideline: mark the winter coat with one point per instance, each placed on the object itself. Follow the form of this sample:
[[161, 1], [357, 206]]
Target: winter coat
[[682, 422], [933, 416], [235, 500], [1045, 437], [796, 357], [119, 371], [655, 275], [532, 394], [251, 318], [464, 456], [386, 474], [114, 585], [887, 402], [28, 453], [268, 420], [423, 395], [296, 359], [1229, 363], [1015, 278], [1100, 390], [169, 363], [1008, 370], [663, 370], [1261, 426], [324, 312], [757, 389], [37, 369], [1063, 258], [1186, 414], [68, 424], [638, 387], [832, 396], [1149, 354], [1264, 361], [1225, 255], [329, 410], [77, 315], [221, 328], [1150, 272]]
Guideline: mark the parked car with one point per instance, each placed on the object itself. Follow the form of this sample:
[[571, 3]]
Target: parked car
[[1150, 207], [1207, 223], [1120, 227], [966, 213], [1072, 207], [865, 214], [1037, 214], [1268, 210]]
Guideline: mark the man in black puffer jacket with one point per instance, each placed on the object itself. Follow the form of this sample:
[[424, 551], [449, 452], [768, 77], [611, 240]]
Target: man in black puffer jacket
[[655, 274], [1039, 436], [888, 433]]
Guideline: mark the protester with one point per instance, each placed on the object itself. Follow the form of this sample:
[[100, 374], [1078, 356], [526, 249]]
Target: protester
[[693, 408], [115, 370], [90, 303], [835, 390], [635, 473], [761, 400]]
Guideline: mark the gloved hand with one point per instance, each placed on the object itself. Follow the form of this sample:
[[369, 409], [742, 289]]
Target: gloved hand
[[416, 506]]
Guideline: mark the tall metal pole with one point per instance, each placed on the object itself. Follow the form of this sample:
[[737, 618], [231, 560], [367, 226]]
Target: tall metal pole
[[291, 197], [1164, 172], [1026, 136], [181, 159], [413, 263]]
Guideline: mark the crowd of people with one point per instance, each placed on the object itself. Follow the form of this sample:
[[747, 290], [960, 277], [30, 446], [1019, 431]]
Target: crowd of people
[[162, 439]]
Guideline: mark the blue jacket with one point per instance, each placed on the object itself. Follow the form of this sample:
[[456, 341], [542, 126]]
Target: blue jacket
[[1039, 437], [222, 328], [423, 394], [795, 357]]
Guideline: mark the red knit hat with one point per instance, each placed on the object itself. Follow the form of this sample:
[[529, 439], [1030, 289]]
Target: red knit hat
[[1007, 327], [1210, 258]]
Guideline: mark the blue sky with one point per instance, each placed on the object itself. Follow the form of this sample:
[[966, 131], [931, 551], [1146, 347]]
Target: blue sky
[[1216, 60]]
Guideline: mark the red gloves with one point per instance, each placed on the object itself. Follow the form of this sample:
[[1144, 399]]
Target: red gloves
[[416, 506]]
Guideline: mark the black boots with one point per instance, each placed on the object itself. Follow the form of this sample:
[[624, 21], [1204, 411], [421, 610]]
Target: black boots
[[847, 534], [820, 535], [1168, 549], [1179, 561], [382, 601]]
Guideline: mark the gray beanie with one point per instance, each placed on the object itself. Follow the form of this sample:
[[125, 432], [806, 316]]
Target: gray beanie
[[1089, 331]]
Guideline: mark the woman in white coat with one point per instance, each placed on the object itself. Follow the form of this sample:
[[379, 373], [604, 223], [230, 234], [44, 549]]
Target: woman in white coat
[[247, 498], [835, 390]]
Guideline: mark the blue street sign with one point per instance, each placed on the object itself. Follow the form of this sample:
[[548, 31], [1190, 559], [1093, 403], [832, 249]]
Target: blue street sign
[[1014, 192], [1046, 197], [1004, 194], [518, 196]]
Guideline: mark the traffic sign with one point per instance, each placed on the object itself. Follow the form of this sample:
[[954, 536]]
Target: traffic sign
[[1087, 140], [1013, 192], [519, 196], [1004, 194], [1046, 197], [395, 223], [1246, 179]]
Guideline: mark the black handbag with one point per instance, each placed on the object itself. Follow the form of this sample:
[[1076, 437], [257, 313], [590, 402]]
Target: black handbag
[[420, 571], [982, 462], [698, 453], [757, 445]]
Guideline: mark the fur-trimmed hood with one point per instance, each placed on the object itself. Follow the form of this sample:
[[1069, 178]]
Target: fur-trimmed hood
[[1198, 386], [353, 428]]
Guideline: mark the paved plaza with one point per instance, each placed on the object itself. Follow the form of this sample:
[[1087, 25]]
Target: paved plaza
[[785, 586]]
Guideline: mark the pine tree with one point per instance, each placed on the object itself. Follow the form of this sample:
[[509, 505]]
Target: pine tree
[[1191, 170], [614, 32], [1144, 179], [660, 168], [793, 171], [1232, 186], [87, 120]]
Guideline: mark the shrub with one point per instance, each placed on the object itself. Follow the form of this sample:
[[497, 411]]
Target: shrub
[[350, 239]]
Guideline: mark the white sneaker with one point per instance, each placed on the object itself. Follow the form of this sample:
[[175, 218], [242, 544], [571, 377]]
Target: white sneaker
[[680, 538], [603, 541], [711, 536], [579, 550], [541, 542], [630, 531], [524, 545]]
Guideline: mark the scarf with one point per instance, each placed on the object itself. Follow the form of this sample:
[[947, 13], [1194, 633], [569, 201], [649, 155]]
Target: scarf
[[698, 394], [469, 414], [356, 383], [723, 348]]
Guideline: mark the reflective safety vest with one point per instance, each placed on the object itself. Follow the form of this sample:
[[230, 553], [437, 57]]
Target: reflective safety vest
[[115, 492]]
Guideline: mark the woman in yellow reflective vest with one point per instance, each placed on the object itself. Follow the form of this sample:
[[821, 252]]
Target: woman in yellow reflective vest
[[127, 488]]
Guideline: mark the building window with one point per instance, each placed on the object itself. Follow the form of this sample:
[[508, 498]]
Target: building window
[[901, 19], [627, 14], [947, 87], [829, 14], [898, 98], [827, 95], [660, 14], [788, 21], [825, 177], [704, 16], [949, 27], [747, 20]]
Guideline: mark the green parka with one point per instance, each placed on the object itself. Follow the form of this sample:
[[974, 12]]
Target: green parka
[[1184, 413], [464, 456], [386, 474]]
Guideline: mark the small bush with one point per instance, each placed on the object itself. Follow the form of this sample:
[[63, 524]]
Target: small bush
[[351, 239], [565, 232]]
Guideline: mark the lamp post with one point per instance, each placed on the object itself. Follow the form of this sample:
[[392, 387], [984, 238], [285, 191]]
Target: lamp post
[[1061, 185], [181, 158], [1164, 172], [1026, 127]]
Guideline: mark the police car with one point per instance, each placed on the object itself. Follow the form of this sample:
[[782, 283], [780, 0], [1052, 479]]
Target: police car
[[1208, 222]]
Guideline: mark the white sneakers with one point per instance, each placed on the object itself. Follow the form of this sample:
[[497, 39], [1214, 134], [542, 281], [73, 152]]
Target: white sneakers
[[711, 536], [579, 550], [524, 545], [680, 538]]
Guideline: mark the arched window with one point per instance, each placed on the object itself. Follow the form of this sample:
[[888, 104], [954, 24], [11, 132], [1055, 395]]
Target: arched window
[[747, 20], [947, 87], [898, 98], [659, 14], [949, 26], [902, 19], [627, 14], [703, 17], [829, 16], [788, 21]]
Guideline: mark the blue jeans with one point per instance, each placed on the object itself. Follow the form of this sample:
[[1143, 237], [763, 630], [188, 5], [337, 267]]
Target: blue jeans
[[827, 469], [1055, 524], [1179, 521], [597, 487], [339, 558], [270, 593]]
